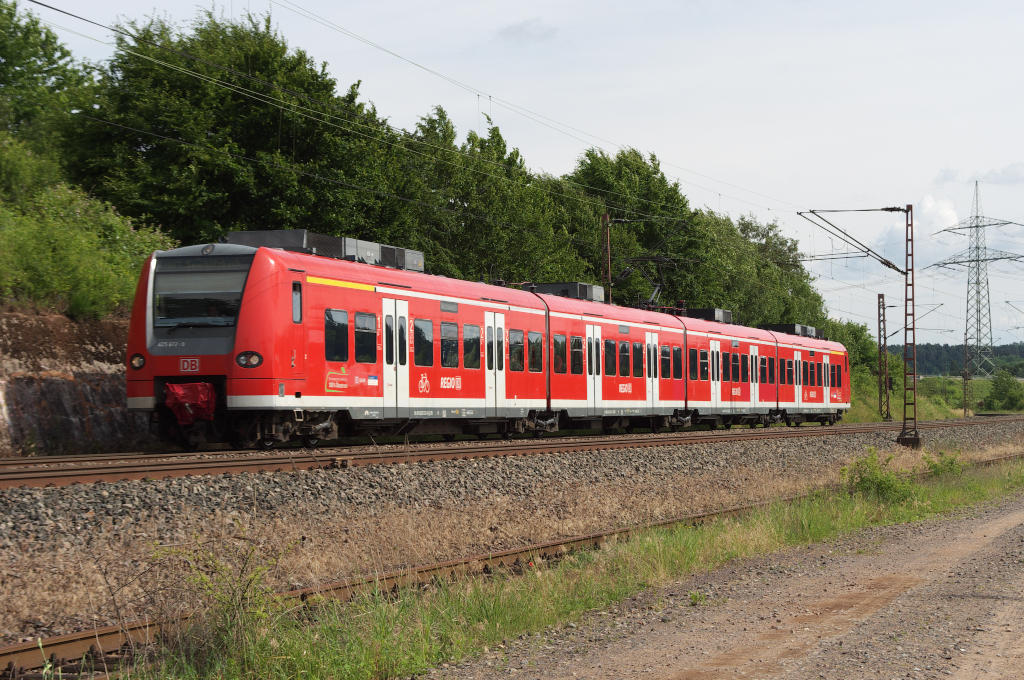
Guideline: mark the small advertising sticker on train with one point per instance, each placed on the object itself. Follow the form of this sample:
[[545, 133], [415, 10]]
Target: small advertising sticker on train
[[336, 382], [371, 381]]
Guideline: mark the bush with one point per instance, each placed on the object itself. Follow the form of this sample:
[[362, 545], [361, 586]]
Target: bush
[[61, 248], [1006, 392], [944, 464], [876, 479]]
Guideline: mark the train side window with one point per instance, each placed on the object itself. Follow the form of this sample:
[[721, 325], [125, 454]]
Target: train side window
[[501, 348], [693, 363], [389, 340], [803, 372], [576, 355], [516, 350], [558, 353], [782, 371], [735, 367], [703, 364], [296, 302], [727, 367], [744, 374], [666, 361], [651, 363], [423, 342], [839, 374], [536, 351], [623, 358], [449, 344], [590, 356], [638, 359], [819, 369], [471, 346], [597, 357], [764, 370], [831, 374], [609, 357], [366, 338], [336, 335], [789, 370], [403, 341], [677, 363], [490, 348]]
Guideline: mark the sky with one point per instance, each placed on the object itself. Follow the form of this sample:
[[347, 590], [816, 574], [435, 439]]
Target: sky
[[767, 108]]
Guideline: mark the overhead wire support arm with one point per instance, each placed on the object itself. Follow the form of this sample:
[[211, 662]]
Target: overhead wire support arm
[[850, 240]]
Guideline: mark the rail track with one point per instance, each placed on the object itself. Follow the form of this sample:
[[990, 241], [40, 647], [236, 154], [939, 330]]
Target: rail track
[[97, 651], [67, 470]]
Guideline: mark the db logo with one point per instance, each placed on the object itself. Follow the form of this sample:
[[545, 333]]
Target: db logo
[[189, 364], [452, 383], [424, 383]]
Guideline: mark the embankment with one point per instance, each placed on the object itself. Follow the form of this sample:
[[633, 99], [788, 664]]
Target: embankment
[[62, 387]]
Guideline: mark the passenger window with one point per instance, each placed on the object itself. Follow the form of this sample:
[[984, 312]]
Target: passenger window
[[609, 357], [789, 371], [693, 363], [296, 302], [623, 358], [590, 356], [764, 370], [703, 364], [536, 350], [366, 338], [652, 363], [336, 335], [638, 360], [839, 374], [559, 353], [726, 366], [516, 350], [576, 355], [490, 348], [471, 346], [803, 372], [423, 342], [677, 363], [597, 357], [501, 348], [735, 367], [744, 377], [831, 374], [403, 341], [666, 362], [782, 371], [389, 340], [449, 345], [818, 369]]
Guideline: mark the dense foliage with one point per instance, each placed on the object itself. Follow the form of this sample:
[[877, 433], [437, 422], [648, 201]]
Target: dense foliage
[[223, 126], [935, 359]]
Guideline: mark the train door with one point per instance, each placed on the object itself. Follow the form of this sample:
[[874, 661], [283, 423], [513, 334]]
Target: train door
[[593, 370], [798, 390], [298, 335], [396, 358], [827, 390], [715, 375], [494, 348], [755, 378], [652, 373]]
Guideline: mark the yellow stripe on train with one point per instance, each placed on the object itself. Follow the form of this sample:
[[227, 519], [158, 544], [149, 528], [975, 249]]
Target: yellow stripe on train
[[340, 284]]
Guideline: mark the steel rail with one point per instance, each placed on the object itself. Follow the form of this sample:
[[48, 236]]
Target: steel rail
[[304, 459], [26, 656]]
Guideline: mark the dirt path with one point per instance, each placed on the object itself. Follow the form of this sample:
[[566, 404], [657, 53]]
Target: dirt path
[[939, 599]]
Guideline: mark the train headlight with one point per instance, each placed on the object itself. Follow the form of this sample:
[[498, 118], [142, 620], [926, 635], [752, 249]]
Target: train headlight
[[249, 359], [138, 361]]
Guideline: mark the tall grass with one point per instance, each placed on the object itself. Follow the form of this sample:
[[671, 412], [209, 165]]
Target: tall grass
[[385, 635]]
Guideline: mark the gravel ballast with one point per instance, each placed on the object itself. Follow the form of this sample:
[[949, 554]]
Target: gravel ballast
[[48, 514]]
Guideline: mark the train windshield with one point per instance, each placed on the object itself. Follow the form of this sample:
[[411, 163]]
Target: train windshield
[[199, 291]]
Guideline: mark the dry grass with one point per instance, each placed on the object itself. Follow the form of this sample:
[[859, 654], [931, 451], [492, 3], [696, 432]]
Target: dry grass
[[47, 589]]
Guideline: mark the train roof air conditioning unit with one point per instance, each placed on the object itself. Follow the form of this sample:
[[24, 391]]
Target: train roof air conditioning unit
[[337, 247], [574, 290], [796, 329], [711, 314]]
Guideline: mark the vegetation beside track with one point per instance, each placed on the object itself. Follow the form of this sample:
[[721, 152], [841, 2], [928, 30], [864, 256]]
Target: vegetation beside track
[[244, 631]]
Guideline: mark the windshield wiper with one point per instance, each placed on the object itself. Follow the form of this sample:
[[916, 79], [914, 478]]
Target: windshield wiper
[[196, 324]]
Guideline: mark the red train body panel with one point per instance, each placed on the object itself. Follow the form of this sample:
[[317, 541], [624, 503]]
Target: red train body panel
[[301, 346]]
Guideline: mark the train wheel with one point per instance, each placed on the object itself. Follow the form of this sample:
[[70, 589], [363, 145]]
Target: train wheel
[[629, 430], [481, 435], [727, 426], [309, 442], [265, 444], [537, 434], [507, 434], [449, 437]]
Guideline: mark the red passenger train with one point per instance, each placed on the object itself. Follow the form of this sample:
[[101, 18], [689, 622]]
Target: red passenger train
[[257, 345]]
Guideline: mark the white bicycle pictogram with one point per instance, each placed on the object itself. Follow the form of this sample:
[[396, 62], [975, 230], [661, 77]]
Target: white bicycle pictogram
[[424, 383]]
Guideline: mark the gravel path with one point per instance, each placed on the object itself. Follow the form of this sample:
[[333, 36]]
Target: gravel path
[[47, 514]]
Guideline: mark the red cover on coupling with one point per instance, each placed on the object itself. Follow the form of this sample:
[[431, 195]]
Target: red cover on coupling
[[191, 401]]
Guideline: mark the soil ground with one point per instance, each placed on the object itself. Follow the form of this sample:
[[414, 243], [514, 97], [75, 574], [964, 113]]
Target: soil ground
[[935, 599]]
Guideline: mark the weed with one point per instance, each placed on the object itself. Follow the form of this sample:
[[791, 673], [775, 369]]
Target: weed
[[697, 598], [944, 464], [875, 478]]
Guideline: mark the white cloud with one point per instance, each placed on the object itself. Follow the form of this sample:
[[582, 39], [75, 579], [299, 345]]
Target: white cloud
[[527, 32], [1011, 174]]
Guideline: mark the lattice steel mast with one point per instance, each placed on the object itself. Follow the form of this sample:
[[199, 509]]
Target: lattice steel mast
[[976, 259]]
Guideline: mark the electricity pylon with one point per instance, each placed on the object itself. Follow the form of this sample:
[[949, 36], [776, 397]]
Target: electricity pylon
[[979, 310]]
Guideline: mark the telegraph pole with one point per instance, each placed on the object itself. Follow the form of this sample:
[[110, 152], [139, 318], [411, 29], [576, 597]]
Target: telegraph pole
[[966, 373], [883, 363]]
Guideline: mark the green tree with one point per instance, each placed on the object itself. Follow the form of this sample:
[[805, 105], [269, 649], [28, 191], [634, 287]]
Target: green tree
[[1006, 392]]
